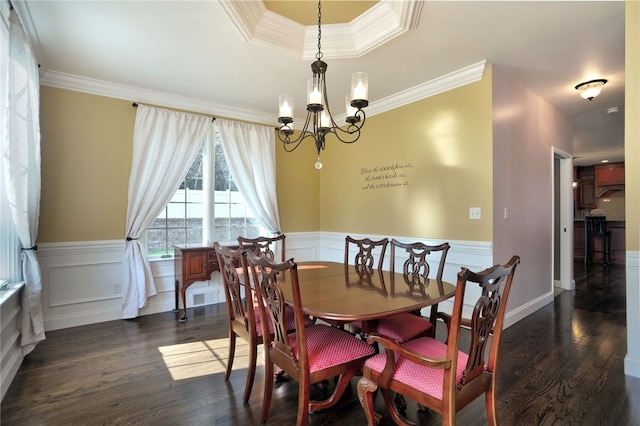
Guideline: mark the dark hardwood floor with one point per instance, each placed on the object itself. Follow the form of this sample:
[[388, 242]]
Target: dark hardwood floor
[[563, 365]]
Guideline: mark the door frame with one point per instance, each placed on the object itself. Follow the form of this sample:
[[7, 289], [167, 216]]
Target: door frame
[[565, 218]]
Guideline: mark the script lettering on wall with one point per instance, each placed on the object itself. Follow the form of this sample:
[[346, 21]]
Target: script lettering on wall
[[387, 176]]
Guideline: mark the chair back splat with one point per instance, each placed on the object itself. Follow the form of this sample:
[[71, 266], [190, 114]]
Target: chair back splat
[[273, 248], [369, 255], [439, 375], [311, 354], [417, 275]]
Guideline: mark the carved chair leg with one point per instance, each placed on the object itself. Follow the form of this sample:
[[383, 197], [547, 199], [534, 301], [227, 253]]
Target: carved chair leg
[[491, 403], [232, 354], [251, 372], [303, 402], [268, 390], [366, 391]]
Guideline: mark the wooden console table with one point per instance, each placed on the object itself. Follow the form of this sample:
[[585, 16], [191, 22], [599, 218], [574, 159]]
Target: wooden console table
[[192, 263]]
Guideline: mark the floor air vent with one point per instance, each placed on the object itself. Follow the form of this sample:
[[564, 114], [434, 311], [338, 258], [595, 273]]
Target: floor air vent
[[198, 299]]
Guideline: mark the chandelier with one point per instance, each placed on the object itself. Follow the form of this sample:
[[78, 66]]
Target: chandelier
[[319, 122]]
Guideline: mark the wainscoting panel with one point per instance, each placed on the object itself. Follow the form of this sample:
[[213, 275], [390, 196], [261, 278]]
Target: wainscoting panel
[[82, 280], [632, 360], [303, 246], [103, 277]]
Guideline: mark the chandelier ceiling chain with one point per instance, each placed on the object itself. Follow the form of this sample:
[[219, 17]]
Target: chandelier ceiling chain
[[319, 121], [319, 54]]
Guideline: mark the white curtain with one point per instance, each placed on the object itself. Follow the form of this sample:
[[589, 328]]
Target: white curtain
[[164, 145], [21, 158], [250, 150]]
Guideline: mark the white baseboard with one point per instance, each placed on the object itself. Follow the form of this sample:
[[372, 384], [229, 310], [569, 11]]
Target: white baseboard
[[527, 309]]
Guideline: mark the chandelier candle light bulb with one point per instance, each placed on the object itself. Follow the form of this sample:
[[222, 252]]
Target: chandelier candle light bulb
[[359, 86], [315, 96], [325, 120], [286, 106]]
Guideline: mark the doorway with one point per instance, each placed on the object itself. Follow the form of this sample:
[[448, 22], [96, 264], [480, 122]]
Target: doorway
[[562, 220]]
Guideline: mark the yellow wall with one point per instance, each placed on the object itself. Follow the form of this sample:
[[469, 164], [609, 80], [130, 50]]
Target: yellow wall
[[86, 160], [298, 182], [632, 129], [436, 144]]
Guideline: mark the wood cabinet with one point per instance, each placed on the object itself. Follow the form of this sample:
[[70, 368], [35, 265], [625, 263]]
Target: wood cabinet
[[192, 264], [587, 194], [586, 191], [609, 174]]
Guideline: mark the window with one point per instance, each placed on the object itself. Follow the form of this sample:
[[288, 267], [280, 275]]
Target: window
[[10, 263], [203, 209]]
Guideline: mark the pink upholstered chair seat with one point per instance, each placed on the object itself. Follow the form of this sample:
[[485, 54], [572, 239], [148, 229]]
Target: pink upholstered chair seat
[[425, 379], [402, 327], [321, 343]]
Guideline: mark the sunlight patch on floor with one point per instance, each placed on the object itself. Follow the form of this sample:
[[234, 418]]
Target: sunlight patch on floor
[[204, 358]]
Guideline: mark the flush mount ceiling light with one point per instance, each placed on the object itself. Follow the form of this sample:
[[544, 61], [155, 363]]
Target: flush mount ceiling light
[[590, 89], [320, 122]]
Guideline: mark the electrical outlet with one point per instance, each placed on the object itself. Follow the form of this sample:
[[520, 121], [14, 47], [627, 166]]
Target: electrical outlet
[[475, 213]]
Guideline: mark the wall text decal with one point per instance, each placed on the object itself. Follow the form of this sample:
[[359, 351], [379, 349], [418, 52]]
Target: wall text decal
[[393, 175]]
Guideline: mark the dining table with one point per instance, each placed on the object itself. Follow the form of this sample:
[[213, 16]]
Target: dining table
[[337, 292]]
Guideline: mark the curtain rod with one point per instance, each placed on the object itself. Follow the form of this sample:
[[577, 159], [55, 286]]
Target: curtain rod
[[135, 105]]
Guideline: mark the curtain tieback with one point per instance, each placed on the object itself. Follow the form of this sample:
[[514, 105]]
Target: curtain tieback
[[34, 248], [131, 239]]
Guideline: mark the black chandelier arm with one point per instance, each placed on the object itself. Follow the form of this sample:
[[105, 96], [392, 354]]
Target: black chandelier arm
[[345, 136], [291, 144], [348, 134], [351, 133]]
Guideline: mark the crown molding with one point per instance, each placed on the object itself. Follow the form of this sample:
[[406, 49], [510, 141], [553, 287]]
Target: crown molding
[[444, 83], [461, 77], [378, 25], [136, 94]]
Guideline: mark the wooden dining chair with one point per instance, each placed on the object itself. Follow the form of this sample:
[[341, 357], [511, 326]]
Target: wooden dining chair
[[439, 375], [243, 314], [363, 256], [312, 354], [369, 254], [416, 269], [273, 248]]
